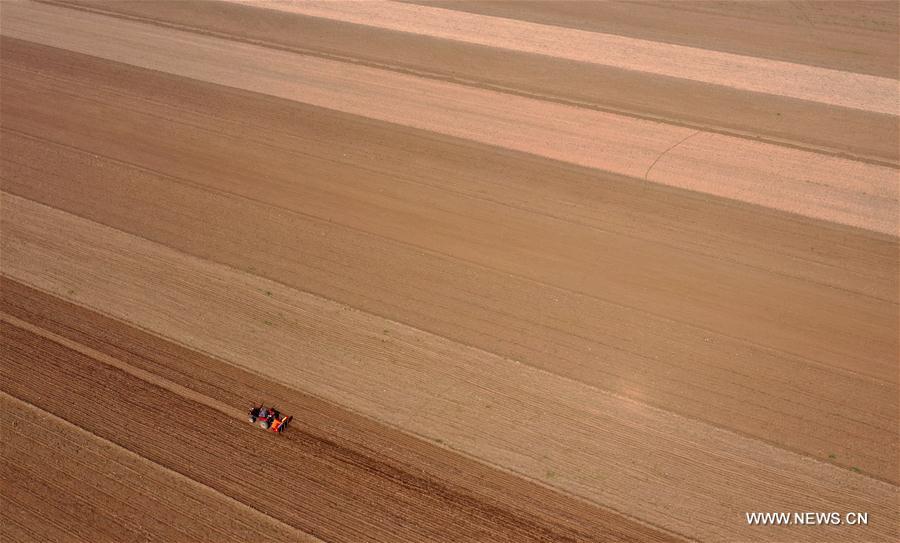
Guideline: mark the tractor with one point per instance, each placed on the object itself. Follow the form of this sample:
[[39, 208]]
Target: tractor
[[268, 418]]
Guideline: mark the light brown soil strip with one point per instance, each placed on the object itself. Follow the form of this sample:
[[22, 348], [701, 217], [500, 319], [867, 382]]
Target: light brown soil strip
[[856, 36], [307, 477], [674, 101], [844, 191], [615, 316], [301, 146], [833, 87], [507, 414], [85, 488]]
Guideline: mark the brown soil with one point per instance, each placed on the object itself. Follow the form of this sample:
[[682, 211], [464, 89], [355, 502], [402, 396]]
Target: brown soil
[[660, 467], [845, 191], [841, 35], [62, 483], [736, 310], [484, 335], [684, 102], [335, 475]]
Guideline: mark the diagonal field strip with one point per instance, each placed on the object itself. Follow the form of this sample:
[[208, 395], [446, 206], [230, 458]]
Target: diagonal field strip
[[835, 87], [380, 470], [333, 456], [144, 375], [814, 126], [123, 463], [819, 186], [644, 354], [674, 472]]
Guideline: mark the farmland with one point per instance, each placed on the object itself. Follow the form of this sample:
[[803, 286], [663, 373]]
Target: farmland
[[527, 271]]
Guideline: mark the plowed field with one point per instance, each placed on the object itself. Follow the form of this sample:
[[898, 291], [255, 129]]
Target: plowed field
[[521, 271]]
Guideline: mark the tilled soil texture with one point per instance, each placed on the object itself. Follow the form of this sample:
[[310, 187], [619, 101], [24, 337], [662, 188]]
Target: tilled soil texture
[[572, 436], [680, 101], [326, 190], [521, 271], [850, 191], [72, 485], [335, 475]]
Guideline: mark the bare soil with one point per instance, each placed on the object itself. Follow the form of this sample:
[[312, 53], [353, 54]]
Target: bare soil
[[507, 296]]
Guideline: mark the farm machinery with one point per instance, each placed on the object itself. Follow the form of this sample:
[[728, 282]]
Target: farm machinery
[[268, 418]]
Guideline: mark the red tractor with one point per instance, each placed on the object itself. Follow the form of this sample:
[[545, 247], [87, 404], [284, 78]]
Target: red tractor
[[268, 418]]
